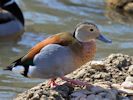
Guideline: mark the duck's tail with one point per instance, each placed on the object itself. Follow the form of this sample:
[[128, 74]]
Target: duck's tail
[[9, 67], [13, 64], [18, 67]]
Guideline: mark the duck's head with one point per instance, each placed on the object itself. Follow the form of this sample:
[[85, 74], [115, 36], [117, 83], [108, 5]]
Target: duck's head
[[86, 32]]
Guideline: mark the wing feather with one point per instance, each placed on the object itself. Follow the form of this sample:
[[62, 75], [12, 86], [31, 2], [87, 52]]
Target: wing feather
[[60, 38]]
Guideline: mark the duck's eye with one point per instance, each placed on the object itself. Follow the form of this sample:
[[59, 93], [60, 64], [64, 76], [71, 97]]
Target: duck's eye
[[91, 30]]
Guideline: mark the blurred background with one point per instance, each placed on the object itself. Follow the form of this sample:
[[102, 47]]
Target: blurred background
[[46, 17]]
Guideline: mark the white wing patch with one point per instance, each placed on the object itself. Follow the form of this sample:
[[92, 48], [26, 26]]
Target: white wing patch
[[31, 70], [18, 69]]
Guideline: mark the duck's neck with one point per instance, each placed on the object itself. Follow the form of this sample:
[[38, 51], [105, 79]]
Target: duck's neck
[[15, 10], [86, 53]]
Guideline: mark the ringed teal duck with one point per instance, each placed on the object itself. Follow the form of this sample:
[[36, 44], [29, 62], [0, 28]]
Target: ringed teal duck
[[60, 54], [11, 19]]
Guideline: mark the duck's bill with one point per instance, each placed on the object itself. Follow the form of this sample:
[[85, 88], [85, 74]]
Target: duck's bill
[[104, 39]]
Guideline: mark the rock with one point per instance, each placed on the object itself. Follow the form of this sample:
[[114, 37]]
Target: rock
[[97, 89], [131, 98], [104, 91], [101, 75], [112, 94], [80, 74], [30, 95], [35, 97], [129, 79], [130, 70], [120, 11], [91, 97], [123, 17], [125, 5], [126, 98], [104, 85], [103, 94], [122, 90], [118, 60], [126, 91], [78, 96], [127, 85], [98, 65], [129, 7], [98, 97], [43, 97]]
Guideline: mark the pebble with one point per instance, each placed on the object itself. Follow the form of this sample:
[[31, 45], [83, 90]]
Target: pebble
[[30, 95], [43, 97], [129, 7], [121, 89], [78, 95], [96, 89], [91, 97], [130, 70], [126, 98], [112, 94], [127, 85], [129, 79], [98, 65], [35, 97]]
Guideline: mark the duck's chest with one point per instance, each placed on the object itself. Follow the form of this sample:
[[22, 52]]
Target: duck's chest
[[85, 53]]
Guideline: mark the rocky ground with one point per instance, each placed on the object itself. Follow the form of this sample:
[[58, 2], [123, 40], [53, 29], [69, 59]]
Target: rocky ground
[[125, 5], [110, 79], [120, 10]]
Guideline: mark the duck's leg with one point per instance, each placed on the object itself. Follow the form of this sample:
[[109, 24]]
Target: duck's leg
[[75, 82], [52, 83]]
